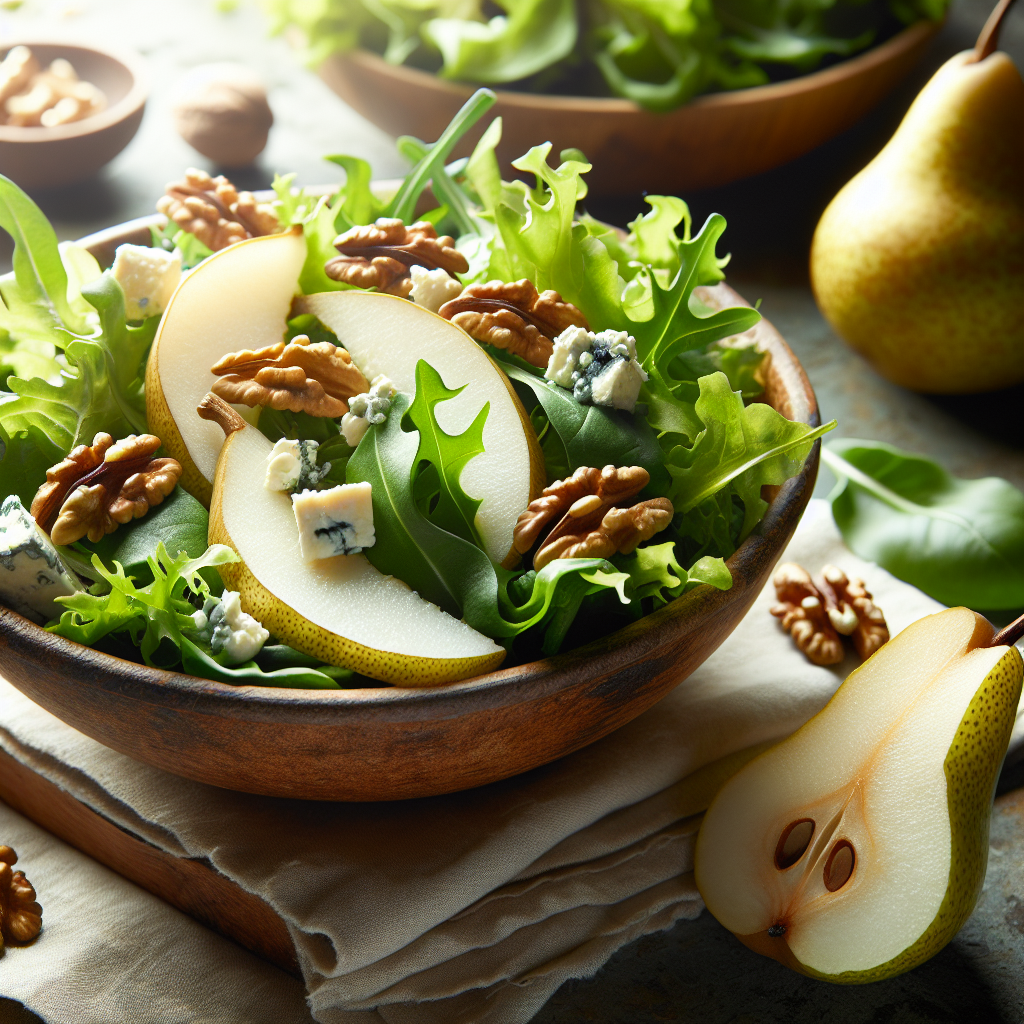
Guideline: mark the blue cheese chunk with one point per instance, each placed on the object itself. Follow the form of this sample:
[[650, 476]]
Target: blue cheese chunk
[[291, 466], [370, 407], [230, 632], [338, 521], [31, 572], [599, 369], [148, 278], [433, 288]]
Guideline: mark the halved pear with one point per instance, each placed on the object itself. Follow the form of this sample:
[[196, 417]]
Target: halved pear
[[856, 848], [238, 298], [388, 335], [341, 609]]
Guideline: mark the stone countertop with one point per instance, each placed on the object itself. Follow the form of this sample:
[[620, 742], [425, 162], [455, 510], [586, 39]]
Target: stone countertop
[[696, 973]]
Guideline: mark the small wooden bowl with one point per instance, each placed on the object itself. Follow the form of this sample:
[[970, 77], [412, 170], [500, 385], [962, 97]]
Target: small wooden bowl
[[39, 158], [393, 743], [712, 140]]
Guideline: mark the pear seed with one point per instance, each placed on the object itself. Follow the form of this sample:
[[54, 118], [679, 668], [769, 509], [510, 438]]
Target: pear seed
[[777, 930], [839, 865], [793, 842]]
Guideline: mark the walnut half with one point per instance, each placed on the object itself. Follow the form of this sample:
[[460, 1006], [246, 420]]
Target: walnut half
[[514, 316], [381, 255], [594, 517], [21, 917], [99, 486], [300, 376], [801, 608]]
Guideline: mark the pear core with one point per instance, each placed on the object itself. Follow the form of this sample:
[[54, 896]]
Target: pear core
[[896, 776]]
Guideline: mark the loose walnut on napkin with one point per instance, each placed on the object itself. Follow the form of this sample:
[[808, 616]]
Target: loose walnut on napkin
[[817, 614], [380, 255], [21, 918], [514, 316], [596, 521], [101, 485]]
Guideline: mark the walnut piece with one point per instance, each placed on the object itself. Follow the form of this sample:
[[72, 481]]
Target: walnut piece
[[214, 211], [300, 376], [801, 608], [514, 317], [618, 531], [99, 486], [852, 611], [586, 492], [21, 918], [380, 255], [32, 98]]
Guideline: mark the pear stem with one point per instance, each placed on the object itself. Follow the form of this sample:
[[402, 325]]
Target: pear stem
[[1010, 634], [989, 38], [214, 408]]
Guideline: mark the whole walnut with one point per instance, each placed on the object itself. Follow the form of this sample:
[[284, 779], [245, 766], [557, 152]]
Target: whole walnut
[[222, 112]]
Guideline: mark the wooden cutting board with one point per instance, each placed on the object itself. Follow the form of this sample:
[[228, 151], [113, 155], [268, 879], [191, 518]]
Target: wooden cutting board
[[194, 886]]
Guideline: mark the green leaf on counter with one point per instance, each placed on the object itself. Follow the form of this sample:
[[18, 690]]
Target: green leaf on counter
[[960, 541]]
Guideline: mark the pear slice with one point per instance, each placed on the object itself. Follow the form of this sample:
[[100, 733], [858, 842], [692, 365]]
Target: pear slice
[[856, 848], [388, 335], [237, 298], [341, 609]]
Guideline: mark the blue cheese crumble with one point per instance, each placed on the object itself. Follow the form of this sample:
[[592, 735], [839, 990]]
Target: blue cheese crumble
[[338, 521], [229, 631], [599, 369], [148, 278], [31, 572], [291, 466], [370, 407], [431, 289]]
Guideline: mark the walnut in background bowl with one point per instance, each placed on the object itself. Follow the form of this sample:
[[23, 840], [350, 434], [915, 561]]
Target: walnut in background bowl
[[222, 112]]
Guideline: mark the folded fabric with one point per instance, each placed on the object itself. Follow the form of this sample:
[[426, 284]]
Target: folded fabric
[[477, 905]]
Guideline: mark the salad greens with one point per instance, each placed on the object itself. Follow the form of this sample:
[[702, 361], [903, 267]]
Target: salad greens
[[76, 366], [960, 541], [658, 53]]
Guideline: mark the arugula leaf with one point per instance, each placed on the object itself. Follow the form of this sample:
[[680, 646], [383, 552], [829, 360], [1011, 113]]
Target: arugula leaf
[[455, 511], [747, 446], [197, 662], [960, 541], [443, 567], [591, 435]]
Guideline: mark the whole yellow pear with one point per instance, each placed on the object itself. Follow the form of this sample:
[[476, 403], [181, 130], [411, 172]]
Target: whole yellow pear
[[918, 262]]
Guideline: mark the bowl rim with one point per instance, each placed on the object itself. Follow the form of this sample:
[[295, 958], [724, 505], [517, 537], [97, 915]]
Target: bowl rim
[[527, 681], [124, 108], [875, 56]]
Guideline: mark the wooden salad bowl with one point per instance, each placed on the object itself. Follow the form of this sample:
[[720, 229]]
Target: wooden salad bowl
[[393, 743], [711, 140]]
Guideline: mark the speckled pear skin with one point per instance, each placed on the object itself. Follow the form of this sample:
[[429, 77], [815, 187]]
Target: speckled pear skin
[[918, 262], [972, 771]]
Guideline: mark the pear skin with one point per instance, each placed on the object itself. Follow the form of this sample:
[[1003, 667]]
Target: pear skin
[[855, 849], [918, 262]]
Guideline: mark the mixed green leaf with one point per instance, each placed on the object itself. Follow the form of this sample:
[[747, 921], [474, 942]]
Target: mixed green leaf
[[658, 53]]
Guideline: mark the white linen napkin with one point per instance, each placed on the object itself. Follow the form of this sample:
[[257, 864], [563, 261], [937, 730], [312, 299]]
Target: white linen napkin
[[476, 906]]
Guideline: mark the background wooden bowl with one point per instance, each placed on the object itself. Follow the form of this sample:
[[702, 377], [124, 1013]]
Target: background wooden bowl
[[39, 158], [712, 140], [392, 743]]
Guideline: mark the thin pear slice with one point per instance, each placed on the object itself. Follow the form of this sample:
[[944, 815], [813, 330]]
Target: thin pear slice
[[238, 298], [856, 849], [341, 609], [389, 335]]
